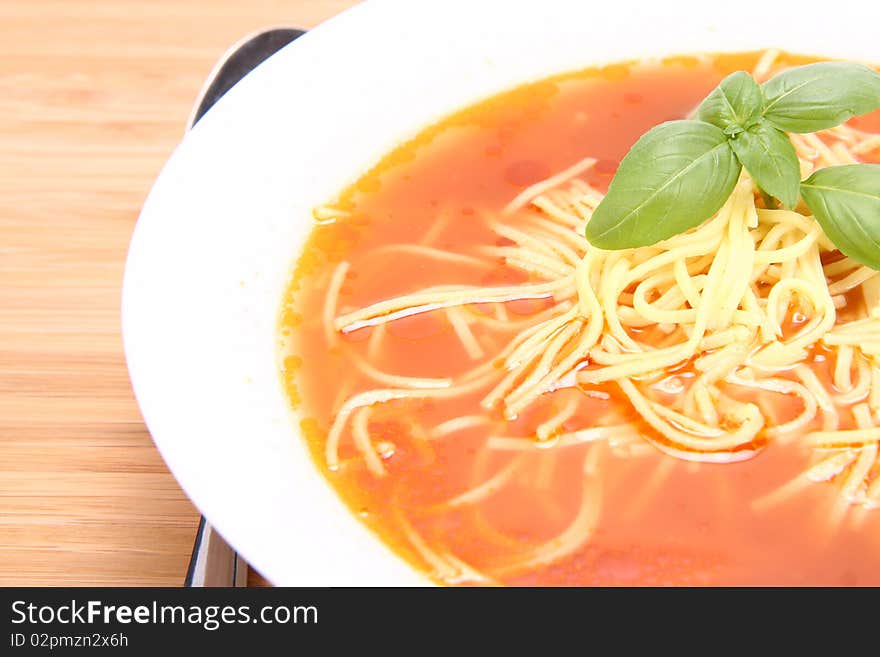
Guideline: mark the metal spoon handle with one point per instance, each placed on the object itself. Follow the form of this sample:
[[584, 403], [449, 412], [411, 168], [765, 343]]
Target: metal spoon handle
[[240, 59]]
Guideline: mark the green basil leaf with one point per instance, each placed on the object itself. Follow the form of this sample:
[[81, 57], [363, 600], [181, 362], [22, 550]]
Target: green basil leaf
[[733, 105], [676, 176], [846, 202], [769, 157], [820, 96]]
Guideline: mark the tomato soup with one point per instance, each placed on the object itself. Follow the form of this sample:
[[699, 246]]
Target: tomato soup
[[460, 494]]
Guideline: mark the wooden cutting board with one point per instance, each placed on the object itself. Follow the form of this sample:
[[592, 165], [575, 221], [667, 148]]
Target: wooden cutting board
[[94, 95]]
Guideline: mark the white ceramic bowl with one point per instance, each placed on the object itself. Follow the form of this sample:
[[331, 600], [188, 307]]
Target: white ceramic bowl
[[217, 237]]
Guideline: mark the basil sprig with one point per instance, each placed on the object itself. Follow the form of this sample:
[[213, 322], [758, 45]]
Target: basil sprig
[[769, 157], [734, 105], [820, 96], [680, 173], [652, 197], [846, 202]]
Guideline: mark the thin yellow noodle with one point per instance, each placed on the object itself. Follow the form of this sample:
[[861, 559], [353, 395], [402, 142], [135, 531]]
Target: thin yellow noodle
[[374, 343], [563, 373], [795, 221], [791, 252], [324, 214], [699, 448], [830, 467], [551, 425], [765, 324], [593, 459], [533, 243], [343, 393], [530, 261], [858, 390], [570, 539], [571, 249], [524, 197], [569, 217], [843, 368], [771, 238], [413, 304], [685, 282], [562, 440], [787, 353], [852, 339], [845, 133], [826, 155], [830, 416], [861, 327], [843, 438], [555, 344], [826, 470], [854, 489], [853, 280], [645, 363], [862, 415], [806, 166], [530, 266], [838, 267], [384, 395], [564, 236], [496, 394], [633, 450], [528, 349], [361, 437], [613, 271], [396, 380], [518, 356], [630, 319], [468, 340], [440, 224], [508, 324], [844, 154], [543, 367], [855, 486], [431, 253], [872, 495], [867, 146], [456, 424], [494, 367], [785, 387], [874, 396], [446, 569], [489, 487], [705, 404], [331, 448], [565, 291], [685, 422], [765, 64], [470, 574], [648, 490], [804, 150], [331, 301]]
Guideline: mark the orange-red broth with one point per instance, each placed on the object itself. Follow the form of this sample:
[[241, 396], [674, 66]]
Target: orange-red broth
[[696, 527]]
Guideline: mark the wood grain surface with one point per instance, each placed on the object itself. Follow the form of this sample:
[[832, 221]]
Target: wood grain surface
[[94, 95]]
